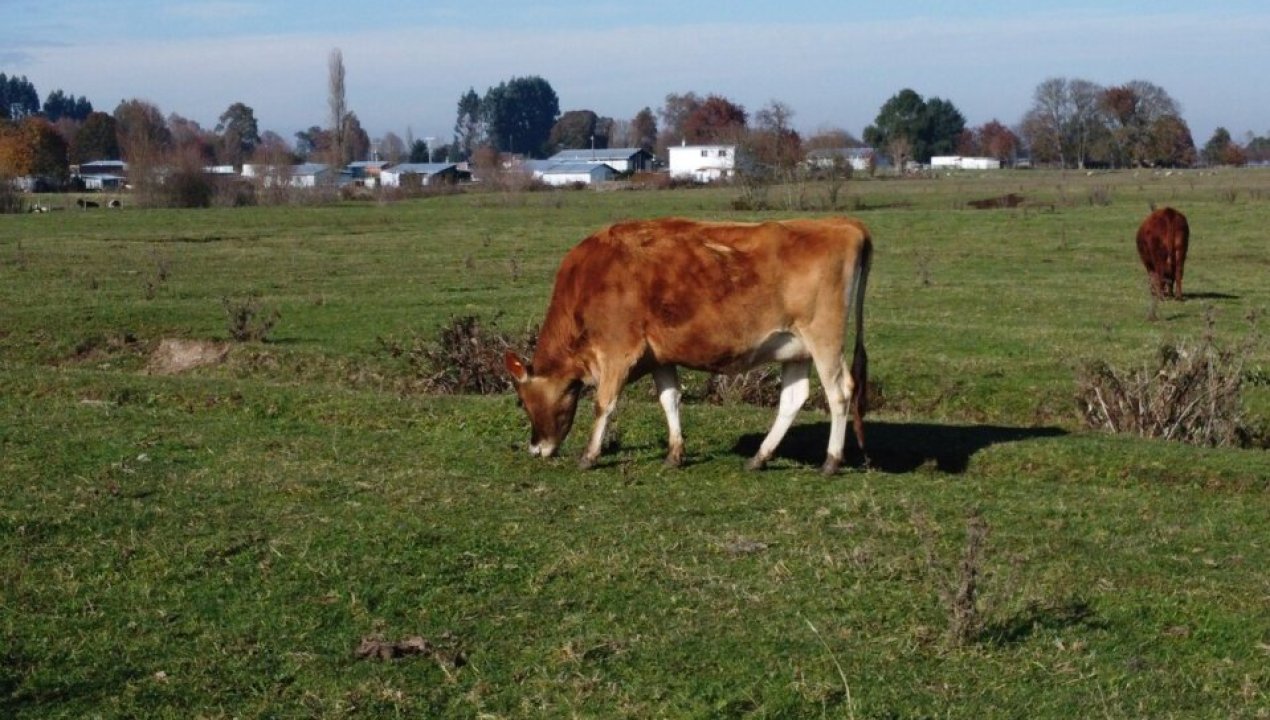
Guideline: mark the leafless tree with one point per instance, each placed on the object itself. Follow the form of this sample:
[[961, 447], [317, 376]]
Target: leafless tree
[[338, 104]]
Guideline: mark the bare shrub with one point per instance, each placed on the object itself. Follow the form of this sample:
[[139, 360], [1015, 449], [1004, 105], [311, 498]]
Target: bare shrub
[[249, 320], [761, 386], [466, 357], [1191, 392], [11, 199], [1100, 195]]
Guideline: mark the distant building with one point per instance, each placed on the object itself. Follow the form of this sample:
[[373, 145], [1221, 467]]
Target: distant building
[[703, 163], [575, 173], [418, 174], [958, 162], [859, 159], [622, 160]]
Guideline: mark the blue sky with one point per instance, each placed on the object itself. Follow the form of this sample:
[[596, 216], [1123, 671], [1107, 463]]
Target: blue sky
[[834, 63]]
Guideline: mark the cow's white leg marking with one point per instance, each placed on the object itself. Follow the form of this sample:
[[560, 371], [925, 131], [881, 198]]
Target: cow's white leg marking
[[838, 387], [666, 378], [795, 387]]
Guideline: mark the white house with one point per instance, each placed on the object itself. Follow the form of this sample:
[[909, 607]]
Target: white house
[[957, 162], [703, 163]]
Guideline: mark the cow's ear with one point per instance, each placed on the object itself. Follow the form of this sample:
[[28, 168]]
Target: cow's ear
[[516, 367]]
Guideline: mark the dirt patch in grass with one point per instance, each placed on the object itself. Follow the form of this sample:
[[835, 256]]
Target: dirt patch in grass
[[174, 356], [1010, 200]]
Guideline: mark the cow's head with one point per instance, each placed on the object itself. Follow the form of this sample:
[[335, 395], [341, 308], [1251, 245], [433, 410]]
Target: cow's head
[[549, 402]]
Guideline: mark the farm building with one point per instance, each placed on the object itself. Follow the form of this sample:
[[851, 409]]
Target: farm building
[[418, 174], [958, 162], [859, 159], [570, 173], [101, 174], [703, 163], [622, 160]]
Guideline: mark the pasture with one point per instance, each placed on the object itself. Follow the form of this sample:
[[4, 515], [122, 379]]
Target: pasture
[[221, 542]]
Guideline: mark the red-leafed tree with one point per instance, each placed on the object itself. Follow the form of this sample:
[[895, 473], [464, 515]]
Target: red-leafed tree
[[716, 119]]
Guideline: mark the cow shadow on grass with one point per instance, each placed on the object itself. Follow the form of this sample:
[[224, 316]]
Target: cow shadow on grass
[[899, 447]]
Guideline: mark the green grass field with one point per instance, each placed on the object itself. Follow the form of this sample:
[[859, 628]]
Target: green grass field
[[218, 543]]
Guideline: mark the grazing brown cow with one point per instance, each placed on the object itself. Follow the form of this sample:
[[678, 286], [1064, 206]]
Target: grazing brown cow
[[648, 296], [1162, 241]]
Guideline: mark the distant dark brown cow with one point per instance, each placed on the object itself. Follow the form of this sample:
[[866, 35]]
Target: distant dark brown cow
[[645, 297], [1162, 242]]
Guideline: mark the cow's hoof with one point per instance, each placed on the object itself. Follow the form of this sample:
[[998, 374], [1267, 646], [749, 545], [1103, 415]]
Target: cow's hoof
[[586, 463], [673, 461], [831, 466], [755, 463]]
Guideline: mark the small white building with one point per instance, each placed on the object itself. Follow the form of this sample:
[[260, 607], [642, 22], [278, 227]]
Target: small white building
[[702, 163], [958, 162], [859, 159], [574, 173]]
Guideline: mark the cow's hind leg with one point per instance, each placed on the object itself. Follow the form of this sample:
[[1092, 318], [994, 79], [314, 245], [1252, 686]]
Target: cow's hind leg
[[795, 387], [666, 378], [838, 389]]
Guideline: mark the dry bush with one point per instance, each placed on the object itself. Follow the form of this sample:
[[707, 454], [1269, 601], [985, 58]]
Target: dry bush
[[1191, 393], [11, 198], [466, 357], [248, 320], [761, 386]]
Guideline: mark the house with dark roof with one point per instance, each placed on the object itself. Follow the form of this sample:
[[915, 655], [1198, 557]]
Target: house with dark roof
[[419, 174]]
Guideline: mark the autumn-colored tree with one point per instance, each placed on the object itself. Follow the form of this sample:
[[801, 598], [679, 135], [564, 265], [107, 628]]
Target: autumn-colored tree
[[773, 143], [674, 114], [716, 119], [994, 140], [190, 139], [356, 140], [1169, 143], [1221, 149], [32, 147], [312, 144], [1132, 111]]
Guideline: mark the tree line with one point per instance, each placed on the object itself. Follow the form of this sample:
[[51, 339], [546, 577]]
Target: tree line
[[1070, 123]]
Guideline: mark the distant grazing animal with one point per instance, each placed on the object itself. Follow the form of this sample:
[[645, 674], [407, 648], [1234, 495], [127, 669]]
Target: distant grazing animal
[[85, 204], [114, 204], [647, 296], [1162, 242]]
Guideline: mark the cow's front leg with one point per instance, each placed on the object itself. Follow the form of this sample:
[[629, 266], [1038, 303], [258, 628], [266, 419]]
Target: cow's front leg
[[606, 392], [666, 378], [795, 387]]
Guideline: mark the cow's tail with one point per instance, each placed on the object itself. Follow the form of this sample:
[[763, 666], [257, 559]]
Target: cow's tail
[[860, 358]]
